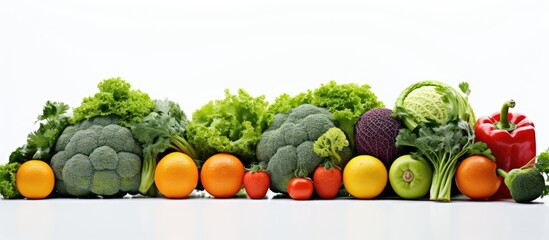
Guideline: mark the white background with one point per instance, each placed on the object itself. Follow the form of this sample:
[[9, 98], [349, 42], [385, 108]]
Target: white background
[[190, 51]]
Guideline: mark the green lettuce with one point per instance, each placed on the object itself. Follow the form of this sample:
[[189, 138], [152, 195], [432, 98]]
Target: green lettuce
[[231, 125]]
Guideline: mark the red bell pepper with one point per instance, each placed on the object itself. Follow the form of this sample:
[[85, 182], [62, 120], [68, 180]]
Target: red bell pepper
[[510, 137]]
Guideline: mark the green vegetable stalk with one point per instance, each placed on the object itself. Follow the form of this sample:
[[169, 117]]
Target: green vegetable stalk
[[442, 146], [162, 129]]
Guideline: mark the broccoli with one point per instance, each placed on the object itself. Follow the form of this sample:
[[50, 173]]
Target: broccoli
[[287, 145], [527, 183], [97, 157], [347, 102], [334, 146]]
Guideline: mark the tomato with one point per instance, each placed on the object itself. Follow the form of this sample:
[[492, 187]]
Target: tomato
[[327, 182], [300, 188], [256, 184]]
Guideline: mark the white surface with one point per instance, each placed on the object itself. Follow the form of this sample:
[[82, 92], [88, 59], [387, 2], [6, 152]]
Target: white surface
[[270, 219], [190, 51]]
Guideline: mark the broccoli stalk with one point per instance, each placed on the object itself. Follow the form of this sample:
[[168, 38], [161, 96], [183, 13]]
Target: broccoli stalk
[[527, 183], [161, 130], [330, 146]]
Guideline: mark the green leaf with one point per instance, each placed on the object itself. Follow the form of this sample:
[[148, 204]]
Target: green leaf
[[52, 110], [8, 188], [480, 148], [542, 162], [464, 87]]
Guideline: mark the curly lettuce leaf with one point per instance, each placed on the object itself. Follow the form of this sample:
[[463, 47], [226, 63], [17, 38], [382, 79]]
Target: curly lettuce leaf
[[115, 97], [8, 189], [232, 125]]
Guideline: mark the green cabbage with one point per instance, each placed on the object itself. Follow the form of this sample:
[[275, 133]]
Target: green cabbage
[[433, 101]]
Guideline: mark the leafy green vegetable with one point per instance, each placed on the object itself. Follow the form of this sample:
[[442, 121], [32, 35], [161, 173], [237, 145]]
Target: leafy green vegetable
[[162, 129], [442, 145], [41, 142], [232, 125], [542, 165], [330, 145], [347, 102], [115, 98], [8, 189], [433, 101]]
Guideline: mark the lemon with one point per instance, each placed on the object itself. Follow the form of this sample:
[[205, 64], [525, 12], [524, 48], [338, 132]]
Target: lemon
[[365, 177]]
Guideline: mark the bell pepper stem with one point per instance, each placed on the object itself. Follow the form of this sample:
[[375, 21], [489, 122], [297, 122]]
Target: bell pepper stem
[[504, 123]]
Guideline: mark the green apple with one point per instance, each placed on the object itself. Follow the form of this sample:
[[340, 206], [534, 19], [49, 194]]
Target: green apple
[[410, 178]]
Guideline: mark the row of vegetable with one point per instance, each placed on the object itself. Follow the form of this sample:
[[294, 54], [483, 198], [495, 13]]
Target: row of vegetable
[[333, 141]]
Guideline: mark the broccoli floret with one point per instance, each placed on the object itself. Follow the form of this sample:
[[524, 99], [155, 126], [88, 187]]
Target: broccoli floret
[[100, 158], [65, 138], [104, 158], [105, 183], [116, 137], [525, 185], [334, 146], [282, 167], [287, 145], [77, 175], [130, 165]]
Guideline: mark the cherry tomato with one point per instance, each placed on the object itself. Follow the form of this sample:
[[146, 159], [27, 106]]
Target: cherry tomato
[[300, 188], [256, 184]]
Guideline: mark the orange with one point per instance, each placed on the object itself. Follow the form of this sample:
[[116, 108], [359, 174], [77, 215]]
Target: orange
[[365, 177], [176, 175], [476, 177], [35, 179], [222, 175]]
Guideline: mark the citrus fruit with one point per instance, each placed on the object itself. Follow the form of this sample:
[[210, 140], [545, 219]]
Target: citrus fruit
[[176, 175], [222, 175], [365, 177], [35, 179], [476, 177]]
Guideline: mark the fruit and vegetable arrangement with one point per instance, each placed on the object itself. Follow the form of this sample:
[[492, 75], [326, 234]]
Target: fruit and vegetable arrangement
[[334, 141]]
